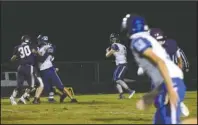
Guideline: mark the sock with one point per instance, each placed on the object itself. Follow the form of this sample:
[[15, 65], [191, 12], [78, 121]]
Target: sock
[[124, 85], [51, 95], [119, 88], [39, 90], [14, 94]]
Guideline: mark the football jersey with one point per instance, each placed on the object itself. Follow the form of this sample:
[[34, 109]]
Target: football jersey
[[24, 54], [140, 42], [48, 58], [120, 53]]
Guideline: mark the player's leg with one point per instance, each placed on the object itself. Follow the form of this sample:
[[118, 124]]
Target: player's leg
[[28, 74], [51, 94], [184, 110], [39, 89], [58, 83], [169, 113], [32, 76], [118, 86], [119, 79], [20, 81], [18, 89], [180, 88]]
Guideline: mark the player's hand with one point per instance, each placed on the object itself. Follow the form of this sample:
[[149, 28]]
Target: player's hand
[[173, 98], [107, 49], [140, 104], [57, 69], [187, 70], [34, 51]]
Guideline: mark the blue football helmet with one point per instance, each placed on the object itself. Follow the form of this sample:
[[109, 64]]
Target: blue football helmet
[[133, 24]]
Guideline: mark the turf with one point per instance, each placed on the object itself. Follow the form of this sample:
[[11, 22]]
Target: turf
[[99, 109]]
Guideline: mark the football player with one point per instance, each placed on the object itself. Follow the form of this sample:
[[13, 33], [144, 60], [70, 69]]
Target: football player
[[175, 53], [25, 54], [119, 51], [47, 70], [165, 75]]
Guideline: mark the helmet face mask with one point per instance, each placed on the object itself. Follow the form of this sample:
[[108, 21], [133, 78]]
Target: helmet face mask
[[158, 34], [114, 38]]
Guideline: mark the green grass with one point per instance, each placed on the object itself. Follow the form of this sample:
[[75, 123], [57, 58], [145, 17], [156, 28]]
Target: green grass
[[99, 109]]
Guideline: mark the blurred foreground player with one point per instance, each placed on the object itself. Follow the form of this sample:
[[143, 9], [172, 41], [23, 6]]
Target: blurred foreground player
[[47, 70], [156, 63], [24, 53], [176, 55], [119, 51]]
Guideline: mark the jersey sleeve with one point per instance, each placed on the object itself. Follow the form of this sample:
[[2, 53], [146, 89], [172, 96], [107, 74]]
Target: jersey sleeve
[[141, 44], [115, 47]]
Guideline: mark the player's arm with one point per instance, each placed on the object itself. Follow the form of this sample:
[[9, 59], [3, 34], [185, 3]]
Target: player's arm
[[36, 52], [144, 47], [15, 55], [13, 58], [112, 50]]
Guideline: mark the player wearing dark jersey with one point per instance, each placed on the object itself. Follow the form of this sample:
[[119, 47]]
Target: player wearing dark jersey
[[25, 54], [176, 54]]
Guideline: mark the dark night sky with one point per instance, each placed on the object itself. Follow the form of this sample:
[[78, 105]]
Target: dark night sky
[[80, 30]]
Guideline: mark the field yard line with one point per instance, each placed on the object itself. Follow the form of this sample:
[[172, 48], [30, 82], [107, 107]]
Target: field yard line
[[111, 112], [8, 110]]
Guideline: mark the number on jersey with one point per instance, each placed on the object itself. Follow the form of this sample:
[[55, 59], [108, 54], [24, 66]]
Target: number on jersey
[[24, 51]]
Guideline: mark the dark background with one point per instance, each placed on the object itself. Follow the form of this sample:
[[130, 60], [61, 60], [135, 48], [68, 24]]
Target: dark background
[[83, 28], [80, 31]]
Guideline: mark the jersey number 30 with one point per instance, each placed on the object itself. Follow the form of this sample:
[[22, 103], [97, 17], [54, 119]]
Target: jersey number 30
[[24, 51]]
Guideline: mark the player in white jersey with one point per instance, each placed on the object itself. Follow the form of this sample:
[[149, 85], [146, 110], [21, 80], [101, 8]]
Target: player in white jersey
[[176, 55], [119, 51], [165, 75], [47, 70]]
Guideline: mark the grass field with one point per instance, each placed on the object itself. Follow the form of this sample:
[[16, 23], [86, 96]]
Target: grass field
[[99, 109]]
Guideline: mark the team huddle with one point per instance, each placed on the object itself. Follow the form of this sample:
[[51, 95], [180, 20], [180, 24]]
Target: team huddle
[[157, 56]]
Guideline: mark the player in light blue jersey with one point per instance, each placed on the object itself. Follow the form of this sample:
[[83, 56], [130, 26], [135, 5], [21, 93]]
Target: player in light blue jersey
[[119, 51], [165, 75]]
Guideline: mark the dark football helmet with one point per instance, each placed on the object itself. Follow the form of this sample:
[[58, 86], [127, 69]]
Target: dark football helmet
[[114, 38], [42, 39], [133, 24], [25, 39], [158, 34]]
